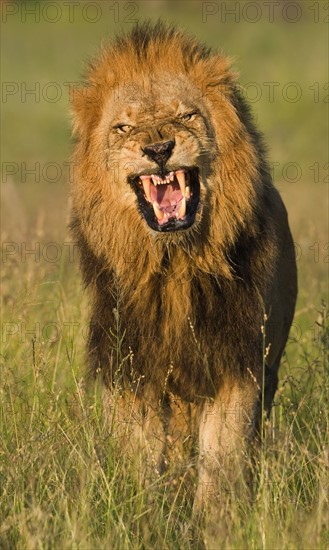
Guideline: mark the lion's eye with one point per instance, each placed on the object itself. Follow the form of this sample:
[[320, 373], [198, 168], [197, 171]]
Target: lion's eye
[[122, 128], [188, 116]]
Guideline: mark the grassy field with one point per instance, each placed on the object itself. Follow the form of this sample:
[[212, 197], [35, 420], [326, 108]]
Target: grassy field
[[60, 483]]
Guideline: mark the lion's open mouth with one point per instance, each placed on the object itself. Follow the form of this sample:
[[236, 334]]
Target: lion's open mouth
[[168, 202]]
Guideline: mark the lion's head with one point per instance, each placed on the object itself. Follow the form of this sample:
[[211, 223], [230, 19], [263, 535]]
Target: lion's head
[[167, 137]]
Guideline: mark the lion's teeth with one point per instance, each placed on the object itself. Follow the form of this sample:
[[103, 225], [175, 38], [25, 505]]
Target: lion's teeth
[[182, 209], [187, 192], [180, 175], [146, 185], [159, 214], [154, 179]]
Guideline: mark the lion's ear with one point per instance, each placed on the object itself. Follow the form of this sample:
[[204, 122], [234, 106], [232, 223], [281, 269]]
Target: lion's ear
[[85, 107]]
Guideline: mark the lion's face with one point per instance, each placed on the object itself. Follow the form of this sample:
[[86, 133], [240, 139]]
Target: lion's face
[[158, 141], [163, 143]]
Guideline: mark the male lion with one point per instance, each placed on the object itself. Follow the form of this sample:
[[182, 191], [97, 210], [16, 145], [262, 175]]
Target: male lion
[[185, 245]]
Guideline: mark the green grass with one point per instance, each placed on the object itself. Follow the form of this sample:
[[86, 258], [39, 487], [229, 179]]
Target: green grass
[[63, 483]]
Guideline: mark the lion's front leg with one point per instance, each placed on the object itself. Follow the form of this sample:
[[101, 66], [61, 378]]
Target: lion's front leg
[[138, 428], [226, 423]]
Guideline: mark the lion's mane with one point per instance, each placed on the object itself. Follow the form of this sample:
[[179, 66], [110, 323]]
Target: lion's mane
[[175, 310]]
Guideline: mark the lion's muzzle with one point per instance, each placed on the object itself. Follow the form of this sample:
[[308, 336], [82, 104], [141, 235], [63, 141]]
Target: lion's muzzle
[[169, 201]]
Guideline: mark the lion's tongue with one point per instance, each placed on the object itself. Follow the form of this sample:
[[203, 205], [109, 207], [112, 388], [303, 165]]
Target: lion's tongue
[[166, 196], [168, 202]]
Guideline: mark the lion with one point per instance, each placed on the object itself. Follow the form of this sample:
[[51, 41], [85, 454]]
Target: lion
[[186, 249]]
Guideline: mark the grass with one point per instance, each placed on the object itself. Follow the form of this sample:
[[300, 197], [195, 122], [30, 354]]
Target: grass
[[63, 483]]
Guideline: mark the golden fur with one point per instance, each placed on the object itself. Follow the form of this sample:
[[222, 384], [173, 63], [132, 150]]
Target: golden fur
[[177, 315]]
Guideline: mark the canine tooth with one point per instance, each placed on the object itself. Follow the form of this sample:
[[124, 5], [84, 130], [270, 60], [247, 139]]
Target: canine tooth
[[159, 214], [146, 185], [182, 209], [180, 175], [187, 192]]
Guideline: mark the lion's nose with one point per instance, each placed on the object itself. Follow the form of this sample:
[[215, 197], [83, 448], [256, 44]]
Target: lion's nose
[[159, 152]]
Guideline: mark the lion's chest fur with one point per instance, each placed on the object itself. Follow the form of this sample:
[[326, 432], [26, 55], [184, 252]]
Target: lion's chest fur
[[186, 328]]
